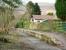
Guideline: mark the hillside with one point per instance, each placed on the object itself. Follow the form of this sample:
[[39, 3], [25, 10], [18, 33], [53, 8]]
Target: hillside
[[45, 7]]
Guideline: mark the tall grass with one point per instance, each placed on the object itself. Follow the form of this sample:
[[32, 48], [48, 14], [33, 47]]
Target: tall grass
[[6, 16], [52, 26]]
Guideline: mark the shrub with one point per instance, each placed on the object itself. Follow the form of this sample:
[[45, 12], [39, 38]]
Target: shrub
[[51, 14]]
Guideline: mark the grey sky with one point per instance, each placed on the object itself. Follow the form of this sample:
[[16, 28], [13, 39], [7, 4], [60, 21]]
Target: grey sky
[[39, 1]]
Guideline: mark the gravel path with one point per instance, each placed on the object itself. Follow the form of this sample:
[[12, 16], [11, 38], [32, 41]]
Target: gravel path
[[34, 42], [27, 42]]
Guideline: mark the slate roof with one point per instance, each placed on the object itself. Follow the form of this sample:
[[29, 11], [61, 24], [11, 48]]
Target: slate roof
[[43, 17]]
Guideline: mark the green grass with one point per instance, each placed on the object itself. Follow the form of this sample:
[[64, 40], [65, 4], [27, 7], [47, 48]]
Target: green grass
[[52, 26]]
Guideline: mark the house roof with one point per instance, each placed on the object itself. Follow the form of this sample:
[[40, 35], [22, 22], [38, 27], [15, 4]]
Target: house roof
[[43, 17]]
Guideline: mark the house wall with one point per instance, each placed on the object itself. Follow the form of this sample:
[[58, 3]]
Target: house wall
[[35, 20]]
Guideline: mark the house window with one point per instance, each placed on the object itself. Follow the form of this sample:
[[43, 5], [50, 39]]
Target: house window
[[32, 20], [38, 21]]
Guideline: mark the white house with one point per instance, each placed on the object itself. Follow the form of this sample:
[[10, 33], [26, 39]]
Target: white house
[[41, 18]]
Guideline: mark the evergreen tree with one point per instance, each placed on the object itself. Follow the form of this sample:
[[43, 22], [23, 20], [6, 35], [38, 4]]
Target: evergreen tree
[[60, 7], [37, 10], [10, 3], [33, 9]]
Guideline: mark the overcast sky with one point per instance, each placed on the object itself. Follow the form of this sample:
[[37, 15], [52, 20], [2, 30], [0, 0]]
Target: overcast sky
[[39, 1]]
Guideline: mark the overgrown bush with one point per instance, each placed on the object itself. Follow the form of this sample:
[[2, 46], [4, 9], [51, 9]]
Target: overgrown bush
[[24, 22], [4, 40], [51, 14]]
